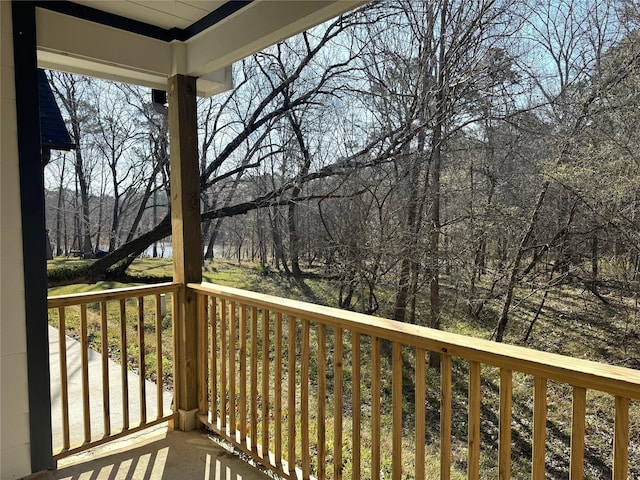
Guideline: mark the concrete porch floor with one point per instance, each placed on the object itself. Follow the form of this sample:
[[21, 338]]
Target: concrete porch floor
[[157, 454]]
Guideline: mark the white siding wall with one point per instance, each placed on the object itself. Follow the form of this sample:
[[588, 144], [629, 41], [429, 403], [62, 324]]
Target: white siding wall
[[14, 409]]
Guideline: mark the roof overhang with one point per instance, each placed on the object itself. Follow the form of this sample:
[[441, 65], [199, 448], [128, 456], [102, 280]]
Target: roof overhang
[[109, 43]]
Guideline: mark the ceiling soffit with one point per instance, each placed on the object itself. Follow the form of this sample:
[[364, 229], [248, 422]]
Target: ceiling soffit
[[151, 44]]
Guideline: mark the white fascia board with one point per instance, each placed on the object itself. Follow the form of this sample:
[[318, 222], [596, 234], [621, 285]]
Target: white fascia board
[[75, 45], [259, 25], [65, 63]]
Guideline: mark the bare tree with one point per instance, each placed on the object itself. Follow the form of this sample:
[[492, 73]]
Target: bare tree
[[71, 91]]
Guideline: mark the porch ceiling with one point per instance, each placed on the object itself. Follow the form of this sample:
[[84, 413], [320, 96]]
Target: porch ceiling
[[145, 41]]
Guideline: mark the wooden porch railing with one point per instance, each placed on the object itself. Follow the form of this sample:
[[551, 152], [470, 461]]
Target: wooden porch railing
[[125, 323], [313, 391]]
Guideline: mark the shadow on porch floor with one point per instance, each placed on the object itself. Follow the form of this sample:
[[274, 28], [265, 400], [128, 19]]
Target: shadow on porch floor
[[154, 455]]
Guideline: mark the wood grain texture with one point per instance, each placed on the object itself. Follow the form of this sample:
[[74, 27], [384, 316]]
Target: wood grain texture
[[278, 391], [124, 374], [539, 428], [254, 380], [159, 352], [186, 236], [203, 342], [291, 401], [445, 416], [322, 400], [64, 382], [583, 373], [104, 345], [232, 369], [304, 399], [85, 298], [356, 416], [265, 395], [223, 365], [337, 402], [142, 369], [213, 326], [84, 354], [243, 374], [621, 439], [396, 408], [576, 469], [375, 407], [421, 405], [504, 443], [473, 419]]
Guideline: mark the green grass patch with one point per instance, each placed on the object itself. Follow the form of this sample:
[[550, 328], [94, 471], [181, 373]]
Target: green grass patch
[[571, 322]]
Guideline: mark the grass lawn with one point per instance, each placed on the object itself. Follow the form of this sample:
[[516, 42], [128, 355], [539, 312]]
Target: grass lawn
[[573, 322]]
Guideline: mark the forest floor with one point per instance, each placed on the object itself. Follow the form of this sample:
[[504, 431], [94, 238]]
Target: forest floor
[[572, 322]]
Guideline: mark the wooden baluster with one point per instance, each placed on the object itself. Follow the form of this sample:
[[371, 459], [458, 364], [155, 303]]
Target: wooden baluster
[[504, 448], [64, 381], [396, 407], [243, 374], [175, 349], [421, 403], [291, 403], [223, 365], [445, 416], [304, 400], [278, 391], [104, 344], [355, 402], [203, 392], [375, 408], [142, 369], [232, 370], [322, 401], [84, 348], [539, 428], [265, 383], [337, 403], [159, 372], [577, 433], [621, 439], [213, 324], [254, 379], [473, 466], [124, 361]]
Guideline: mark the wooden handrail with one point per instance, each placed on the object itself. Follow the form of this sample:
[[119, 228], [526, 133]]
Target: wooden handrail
[[620, 381], [85, 298]]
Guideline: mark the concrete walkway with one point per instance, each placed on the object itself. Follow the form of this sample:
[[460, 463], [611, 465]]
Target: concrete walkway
[[153, 454], [74, 379]]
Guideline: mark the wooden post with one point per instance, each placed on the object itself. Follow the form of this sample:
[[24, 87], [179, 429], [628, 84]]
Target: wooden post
[[186, 238]]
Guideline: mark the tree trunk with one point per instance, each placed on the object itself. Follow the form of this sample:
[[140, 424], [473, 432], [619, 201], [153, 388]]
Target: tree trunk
[[277, 240], [294, 240], [434, 240], [294, 236], [115, 221], [77, 243], [99, 224], [85, 229], [515, 268], [407, 281], [437, 139], [59, 206]]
